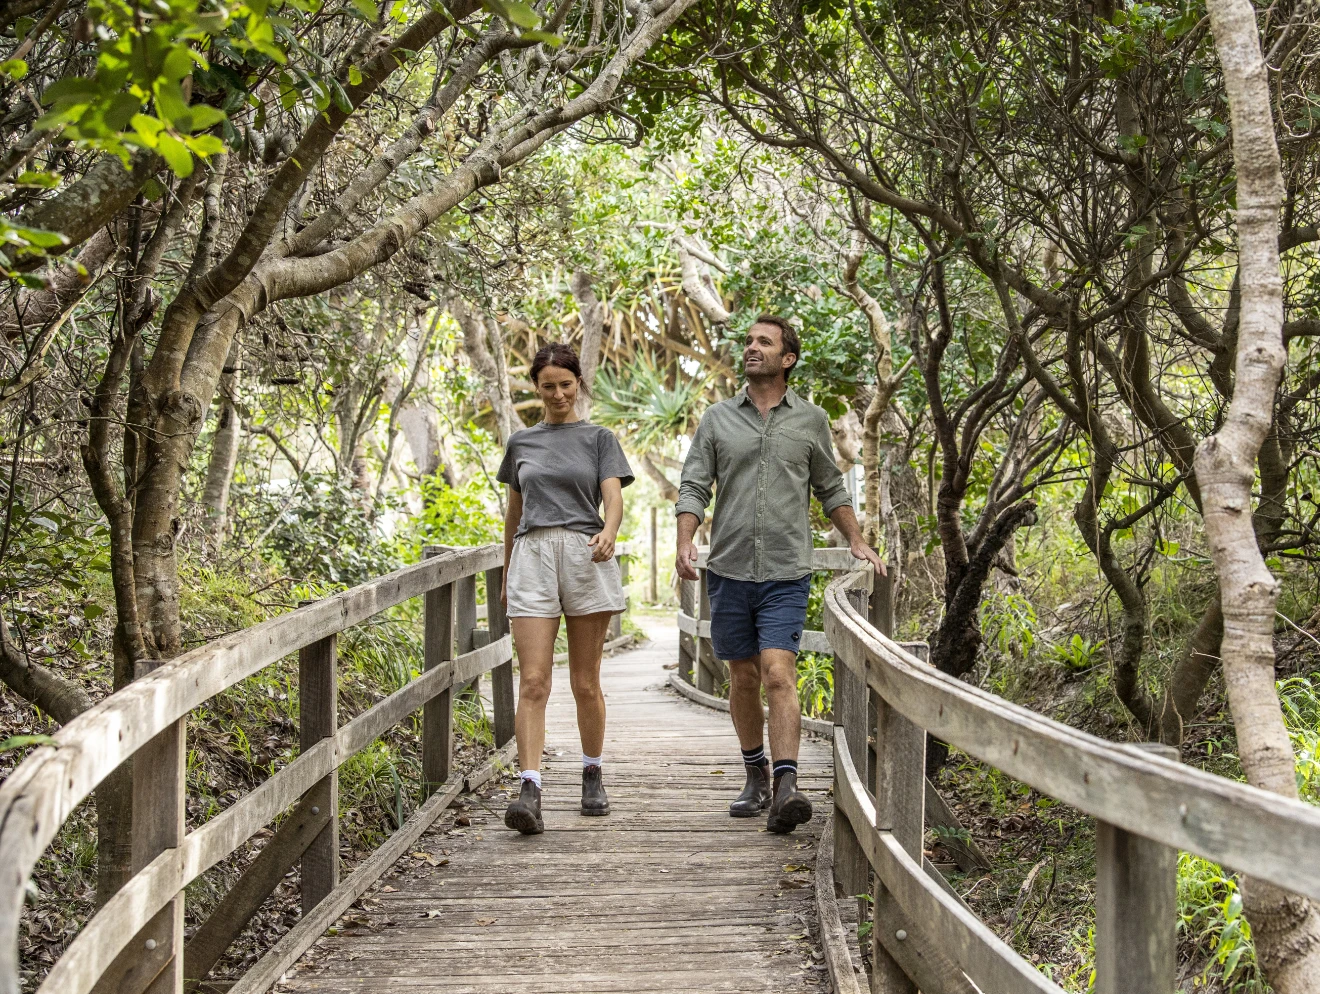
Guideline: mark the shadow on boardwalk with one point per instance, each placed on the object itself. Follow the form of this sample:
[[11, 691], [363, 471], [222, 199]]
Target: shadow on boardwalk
[[666, 894]]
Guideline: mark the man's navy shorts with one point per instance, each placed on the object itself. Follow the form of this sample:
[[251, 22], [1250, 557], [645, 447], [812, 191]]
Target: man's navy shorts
[[747, 616]]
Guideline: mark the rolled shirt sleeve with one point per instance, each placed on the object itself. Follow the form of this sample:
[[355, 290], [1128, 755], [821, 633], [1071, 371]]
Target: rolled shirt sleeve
[[694, 490], [827, 482]]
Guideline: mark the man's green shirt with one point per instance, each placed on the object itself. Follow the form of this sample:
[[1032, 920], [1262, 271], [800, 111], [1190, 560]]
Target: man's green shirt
[[767, 469]]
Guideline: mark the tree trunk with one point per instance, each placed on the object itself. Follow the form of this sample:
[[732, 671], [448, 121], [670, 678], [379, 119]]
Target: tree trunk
[[224, 450], [593, 314], [484, 345], [1286, 927]]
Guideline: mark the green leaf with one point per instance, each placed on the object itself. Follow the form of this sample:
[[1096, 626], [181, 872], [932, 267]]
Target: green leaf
[[93, 611], [340, 98], [47, 181], [153, 190], [147, 128], [205, 116], [204, 145], [176, 155], [367, 9], [72, 89], [545, 37], [15, 69], [23, 741], [354, 76], [521, 14]]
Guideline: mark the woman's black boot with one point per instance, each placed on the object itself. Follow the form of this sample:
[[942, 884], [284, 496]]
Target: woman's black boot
[[524, 813], [594, 801]]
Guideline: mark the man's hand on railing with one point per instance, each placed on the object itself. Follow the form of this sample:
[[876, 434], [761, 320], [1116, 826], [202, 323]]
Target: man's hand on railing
[[685, 562], [861, 550]]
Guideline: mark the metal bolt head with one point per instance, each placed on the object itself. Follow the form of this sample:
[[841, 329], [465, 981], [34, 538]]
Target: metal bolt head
[[316, 811], [151, 944], [901, 934]]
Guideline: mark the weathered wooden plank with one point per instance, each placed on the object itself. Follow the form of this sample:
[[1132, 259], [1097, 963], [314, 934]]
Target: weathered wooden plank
[[1153, 797], [850, 866], [438, 714], [296, 941], [245, 898], [707, 664], [37, 798], [1136, 908], [938, 918], [318, 717], [833, 939], [501, 676]]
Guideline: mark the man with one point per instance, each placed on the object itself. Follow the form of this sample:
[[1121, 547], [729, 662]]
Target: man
[[769, 450]]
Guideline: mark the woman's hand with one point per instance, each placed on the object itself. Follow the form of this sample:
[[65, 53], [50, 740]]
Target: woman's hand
[[603, 544]]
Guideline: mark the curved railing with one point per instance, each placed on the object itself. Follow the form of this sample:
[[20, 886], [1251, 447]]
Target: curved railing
[[135, 941], [1146, 805]]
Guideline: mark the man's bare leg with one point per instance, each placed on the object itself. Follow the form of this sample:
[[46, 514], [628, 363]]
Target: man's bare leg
[[749, 723], [779, 676], [745, 701]]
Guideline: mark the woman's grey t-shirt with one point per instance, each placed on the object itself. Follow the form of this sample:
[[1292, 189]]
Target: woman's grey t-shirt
[[558, 468]]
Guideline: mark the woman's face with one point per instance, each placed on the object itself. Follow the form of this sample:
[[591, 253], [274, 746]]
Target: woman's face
[[558, 389]]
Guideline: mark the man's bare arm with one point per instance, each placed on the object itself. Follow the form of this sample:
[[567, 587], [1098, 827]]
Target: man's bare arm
[[846, 521], [685, 561]]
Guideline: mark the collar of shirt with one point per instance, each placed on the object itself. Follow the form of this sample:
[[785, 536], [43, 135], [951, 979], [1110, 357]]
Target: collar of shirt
[[789, 398]]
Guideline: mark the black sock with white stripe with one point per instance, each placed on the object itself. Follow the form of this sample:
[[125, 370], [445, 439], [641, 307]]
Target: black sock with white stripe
[[783, 766], [754, 757]]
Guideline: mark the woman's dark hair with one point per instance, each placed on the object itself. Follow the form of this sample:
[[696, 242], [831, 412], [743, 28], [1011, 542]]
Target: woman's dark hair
[[787, 335], [555, 354]]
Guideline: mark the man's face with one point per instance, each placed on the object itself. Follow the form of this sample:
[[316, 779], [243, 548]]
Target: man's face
[[763, 352]]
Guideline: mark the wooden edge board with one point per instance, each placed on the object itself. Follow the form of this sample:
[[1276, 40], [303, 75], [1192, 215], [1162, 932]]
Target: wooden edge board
[[134, 904], [1250, 830], [813, 725], [833, 936], [943, 920], [280, 957], [36, 799]]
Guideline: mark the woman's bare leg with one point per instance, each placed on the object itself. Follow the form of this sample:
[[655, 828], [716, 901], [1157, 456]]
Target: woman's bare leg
[[534, 638], [586, 641]]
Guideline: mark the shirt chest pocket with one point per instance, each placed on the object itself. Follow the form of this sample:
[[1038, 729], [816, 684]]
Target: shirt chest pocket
[[793, 450]]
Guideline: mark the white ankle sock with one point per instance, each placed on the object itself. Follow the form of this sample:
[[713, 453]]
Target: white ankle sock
[[533, 775], [591, 760]]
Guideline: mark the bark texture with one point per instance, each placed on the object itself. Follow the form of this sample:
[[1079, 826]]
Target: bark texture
[[484, 345], [593, 313], [224, 450], [1286, 927]]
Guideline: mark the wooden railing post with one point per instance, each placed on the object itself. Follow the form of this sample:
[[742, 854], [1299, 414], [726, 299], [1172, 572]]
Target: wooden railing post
[[438, 712], [900, 808], [1136, 909], [706, 665], [616, 621], [501, 677], [851, 870], [655, 563], [318, 705], [687, 644], [152, 963]]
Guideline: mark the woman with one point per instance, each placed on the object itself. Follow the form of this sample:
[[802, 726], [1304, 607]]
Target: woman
[[559, 560]]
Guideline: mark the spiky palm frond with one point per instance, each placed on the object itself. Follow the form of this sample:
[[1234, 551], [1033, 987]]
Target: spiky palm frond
[[638, 402]]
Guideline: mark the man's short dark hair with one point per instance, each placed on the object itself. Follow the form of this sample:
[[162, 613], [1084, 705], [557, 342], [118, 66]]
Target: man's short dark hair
[[787, 335]]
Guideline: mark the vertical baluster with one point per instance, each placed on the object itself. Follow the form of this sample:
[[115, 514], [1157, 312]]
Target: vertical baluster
[[1136, 909], [318, 700], [501, 677], [687, 644], [655, 561], [851, 870], [465, 624], [438, 712], [900, 805], [705, 654]]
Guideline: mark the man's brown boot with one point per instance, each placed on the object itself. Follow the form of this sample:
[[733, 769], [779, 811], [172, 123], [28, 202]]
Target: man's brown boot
[[789, 806], [755, 795]]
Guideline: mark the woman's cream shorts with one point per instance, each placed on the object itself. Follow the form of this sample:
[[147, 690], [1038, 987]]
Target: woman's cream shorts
[[551, 573]]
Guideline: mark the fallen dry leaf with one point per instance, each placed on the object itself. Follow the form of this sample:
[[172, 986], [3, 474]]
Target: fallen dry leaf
[[485, 921]]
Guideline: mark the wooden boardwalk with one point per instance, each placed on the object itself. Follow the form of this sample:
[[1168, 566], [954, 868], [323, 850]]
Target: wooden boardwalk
[[667, 894]]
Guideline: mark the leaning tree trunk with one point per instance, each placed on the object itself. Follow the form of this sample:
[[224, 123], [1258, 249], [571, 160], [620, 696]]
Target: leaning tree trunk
[[593, 314], [1286, 927], [224, 450]]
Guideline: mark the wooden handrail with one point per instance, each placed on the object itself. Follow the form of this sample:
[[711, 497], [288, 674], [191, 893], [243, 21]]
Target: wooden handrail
[[1131, 792], [37, 798]]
